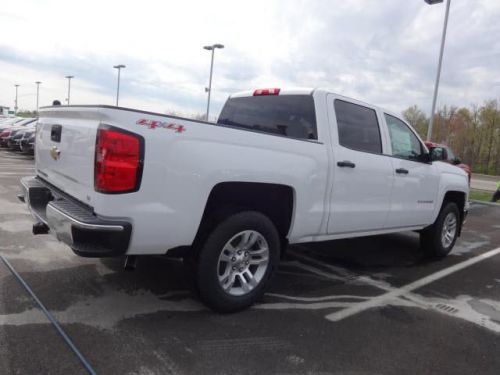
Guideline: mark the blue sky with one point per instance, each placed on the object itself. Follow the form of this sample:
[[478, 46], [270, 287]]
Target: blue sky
[[384, 52]]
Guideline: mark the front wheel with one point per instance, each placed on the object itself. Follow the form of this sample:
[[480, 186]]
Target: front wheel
[[438, 239], [236, 261]]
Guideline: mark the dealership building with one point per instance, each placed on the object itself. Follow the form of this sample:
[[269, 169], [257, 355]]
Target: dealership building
[[4, 110]]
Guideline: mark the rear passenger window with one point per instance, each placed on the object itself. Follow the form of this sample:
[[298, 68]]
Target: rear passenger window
[[287, 115], [358, 127]]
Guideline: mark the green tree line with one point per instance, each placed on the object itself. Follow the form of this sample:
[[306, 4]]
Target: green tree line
[[473, 133]]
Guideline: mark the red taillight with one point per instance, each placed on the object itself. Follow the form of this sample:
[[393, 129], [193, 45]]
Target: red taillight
[[260, 92], [118, 164]]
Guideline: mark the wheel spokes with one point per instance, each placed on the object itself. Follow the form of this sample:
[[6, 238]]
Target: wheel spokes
[[243, 262], [248, 239], [228, 281], [260, 260]]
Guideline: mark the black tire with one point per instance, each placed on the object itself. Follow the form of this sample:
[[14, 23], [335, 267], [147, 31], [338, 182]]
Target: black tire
[[431, 241], [208, 253]]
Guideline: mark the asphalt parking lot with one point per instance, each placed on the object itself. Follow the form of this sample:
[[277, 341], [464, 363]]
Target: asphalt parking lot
[[364, 306]]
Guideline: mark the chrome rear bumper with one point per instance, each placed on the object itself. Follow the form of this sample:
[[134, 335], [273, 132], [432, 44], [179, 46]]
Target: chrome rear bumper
[[72, 222]]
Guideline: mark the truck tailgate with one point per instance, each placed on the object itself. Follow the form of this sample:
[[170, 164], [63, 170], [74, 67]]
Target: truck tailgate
[[65, 148]]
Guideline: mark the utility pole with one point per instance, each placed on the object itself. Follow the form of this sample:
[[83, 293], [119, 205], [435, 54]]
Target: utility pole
[[37, 95], [119, 67], [69, 86], [209, 88], [438, 75], [15, 106]]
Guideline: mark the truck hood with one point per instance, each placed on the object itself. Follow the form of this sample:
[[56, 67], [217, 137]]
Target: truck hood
[[450, 168]]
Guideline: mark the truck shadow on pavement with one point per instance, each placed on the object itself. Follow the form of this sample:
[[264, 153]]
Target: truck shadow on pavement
[[100, 293], [369, 253]]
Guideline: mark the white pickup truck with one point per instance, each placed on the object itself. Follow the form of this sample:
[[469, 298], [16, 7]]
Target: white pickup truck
[[279, 167]]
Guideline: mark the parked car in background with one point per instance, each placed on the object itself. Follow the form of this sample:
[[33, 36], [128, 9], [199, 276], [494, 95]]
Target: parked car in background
[[27, 144], [7, 132], [440, 152], [14, 139], [9, 121], [3, 137], [17, 121]]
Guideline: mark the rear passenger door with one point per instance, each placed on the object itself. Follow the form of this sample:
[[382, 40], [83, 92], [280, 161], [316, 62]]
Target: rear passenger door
[[362, 176]]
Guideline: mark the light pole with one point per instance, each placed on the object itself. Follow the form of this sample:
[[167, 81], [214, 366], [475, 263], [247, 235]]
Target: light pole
[[15, 106], [209, 89], [69, 86], [438, 75], [119, 67], [37, 94]]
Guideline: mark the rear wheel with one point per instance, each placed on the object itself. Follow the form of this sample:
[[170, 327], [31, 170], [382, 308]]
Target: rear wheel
[[236, 261], [438, 239]]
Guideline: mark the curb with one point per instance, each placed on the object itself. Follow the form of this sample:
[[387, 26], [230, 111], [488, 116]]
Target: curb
[[485, 203]]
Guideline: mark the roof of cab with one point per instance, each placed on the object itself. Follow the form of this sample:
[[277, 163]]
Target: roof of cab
[[310, 91], [299, 91], [286, 91]]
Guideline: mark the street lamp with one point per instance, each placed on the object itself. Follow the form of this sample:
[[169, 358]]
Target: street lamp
[[37, 94], [15, 107], [209, 89], [119, 67], [69, 86], [438, 75]]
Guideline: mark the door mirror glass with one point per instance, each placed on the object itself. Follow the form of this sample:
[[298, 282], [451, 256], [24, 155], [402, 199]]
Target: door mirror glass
[[438, 154]]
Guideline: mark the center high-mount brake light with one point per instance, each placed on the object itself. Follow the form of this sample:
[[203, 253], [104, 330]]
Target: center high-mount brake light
[[260, 92], [118, 161]]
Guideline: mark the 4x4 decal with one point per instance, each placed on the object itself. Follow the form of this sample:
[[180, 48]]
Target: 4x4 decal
[[153, 124]]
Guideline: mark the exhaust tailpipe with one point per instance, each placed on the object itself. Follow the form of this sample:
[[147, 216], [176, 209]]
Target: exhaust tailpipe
[[40, 228]]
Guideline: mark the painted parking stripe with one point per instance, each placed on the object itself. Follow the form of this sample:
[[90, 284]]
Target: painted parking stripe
[[399, 292], [344, 274], [350, 277], [58, 328]]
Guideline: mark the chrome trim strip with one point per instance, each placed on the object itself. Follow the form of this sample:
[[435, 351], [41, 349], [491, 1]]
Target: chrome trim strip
[[114, 228]]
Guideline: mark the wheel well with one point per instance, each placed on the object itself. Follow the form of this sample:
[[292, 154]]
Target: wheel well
[[273, 200], [458, 198]]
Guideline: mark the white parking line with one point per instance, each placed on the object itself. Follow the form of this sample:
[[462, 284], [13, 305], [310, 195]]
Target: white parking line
[[352, 278], [399, 292], [343, 273]]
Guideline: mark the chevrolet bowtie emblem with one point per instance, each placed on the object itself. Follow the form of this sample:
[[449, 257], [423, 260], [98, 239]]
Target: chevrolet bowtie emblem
[[55, 153]]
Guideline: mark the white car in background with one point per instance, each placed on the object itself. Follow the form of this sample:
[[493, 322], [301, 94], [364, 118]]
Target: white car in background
[[16, 121], [8, 121]]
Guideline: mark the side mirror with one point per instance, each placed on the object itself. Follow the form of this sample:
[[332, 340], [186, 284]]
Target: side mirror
[[457, 161], [438, 153]]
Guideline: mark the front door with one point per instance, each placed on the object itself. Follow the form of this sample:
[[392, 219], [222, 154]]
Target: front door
[[416, 181]]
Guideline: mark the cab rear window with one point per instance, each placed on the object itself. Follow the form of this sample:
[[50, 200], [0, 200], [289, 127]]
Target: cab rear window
[[287, 115]]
